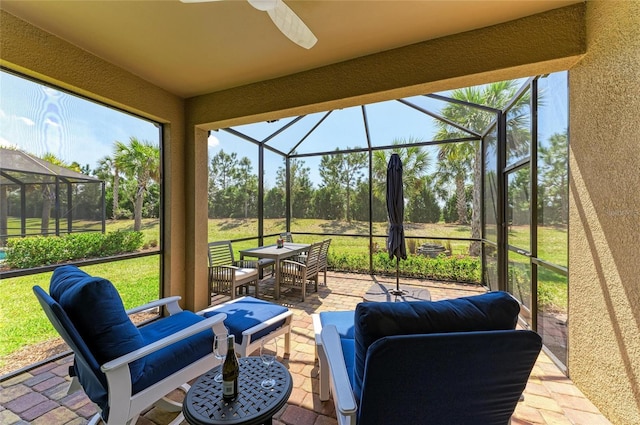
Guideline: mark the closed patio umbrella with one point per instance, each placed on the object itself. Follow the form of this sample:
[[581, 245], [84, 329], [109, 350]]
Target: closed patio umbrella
[[395, 209]]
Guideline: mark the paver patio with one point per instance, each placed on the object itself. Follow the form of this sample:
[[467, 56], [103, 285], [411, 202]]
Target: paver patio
[[38, 396]]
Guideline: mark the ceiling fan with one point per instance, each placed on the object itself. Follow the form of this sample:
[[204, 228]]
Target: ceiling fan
[[285, 19]]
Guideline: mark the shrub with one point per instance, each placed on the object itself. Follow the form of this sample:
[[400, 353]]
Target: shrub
[[41, 251], [456, 268]]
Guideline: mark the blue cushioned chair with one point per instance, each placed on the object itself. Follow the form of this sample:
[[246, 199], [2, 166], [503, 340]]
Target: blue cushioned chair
[[122, 368], [252, 320], [457, 361]]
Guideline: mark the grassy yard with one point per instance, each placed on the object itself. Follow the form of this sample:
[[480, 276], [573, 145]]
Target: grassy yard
[[223, 229], [23, 323]]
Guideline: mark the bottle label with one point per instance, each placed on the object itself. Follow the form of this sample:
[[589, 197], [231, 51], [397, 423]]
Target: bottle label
[[227, 388]]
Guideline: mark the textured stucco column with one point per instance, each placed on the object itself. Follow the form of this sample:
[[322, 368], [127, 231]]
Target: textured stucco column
[[604, 220], [196, 227]]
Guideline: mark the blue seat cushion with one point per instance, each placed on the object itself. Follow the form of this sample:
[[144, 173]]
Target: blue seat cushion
[[489, 311], [96, 310], [342, 320], [247, 313], [174, 357]]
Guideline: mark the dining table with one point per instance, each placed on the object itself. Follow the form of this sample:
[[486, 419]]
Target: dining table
[[287, 250]]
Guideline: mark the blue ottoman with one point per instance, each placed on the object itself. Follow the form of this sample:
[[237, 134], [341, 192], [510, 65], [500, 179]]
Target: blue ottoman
[[252, 320]]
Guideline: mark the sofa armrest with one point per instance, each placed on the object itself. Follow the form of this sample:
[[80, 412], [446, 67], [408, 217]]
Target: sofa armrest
[[343, 398], [170, 302]]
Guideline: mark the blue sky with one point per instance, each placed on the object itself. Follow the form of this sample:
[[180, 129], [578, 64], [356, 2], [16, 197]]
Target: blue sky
[[387, 121], [39, 119]]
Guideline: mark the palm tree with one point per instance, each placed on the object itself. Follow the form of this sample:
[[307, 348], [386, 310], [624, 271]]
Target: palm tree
[[554, 175], [139, 161], [107, 169], [454, 162], [415, 162], [455, 157]]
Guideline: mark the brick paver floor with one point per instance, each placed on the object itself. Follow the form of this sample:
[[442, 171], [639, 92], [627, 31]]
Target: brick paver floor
[[39, 396]]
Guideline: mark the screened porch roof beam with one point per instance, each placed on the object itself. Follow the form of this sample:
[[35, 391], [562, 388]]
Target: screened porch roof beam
[[386, 147], [309, 132], [252, 140], [439, 117]]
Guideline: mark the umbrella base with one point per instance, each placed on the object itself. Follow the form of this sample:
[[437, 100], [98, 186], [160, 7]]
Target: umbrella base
[[379, 292], [397, 292]]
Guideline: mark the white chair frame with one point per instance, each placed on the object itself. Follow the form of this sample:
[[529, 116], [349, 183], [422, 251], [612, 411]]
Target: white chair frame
[[321, 356], [125, 407]]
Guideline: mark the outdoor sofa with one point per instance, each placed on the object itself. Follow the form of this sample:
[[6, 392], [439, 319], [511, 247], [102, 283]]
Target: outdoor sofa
[[457, 361]]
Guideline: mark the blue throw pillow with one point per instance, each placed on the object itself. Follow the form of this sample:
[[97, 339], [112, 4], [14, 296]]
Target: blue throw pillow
[[490, 311], [96, 310]]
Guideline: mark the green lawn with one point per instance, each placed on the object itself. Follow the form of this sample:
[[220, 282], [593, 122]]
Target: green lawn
[[23, 323], [223, 229]]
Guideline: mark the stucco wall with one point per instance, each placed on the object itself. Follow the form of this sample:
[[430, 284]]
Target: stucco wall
[[38, 54], [604, 222], [538, 44]]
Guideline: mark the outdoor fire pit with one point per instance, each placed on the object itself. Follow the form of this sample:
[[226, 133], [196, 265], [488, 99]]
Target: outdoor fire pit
[[431, 250]]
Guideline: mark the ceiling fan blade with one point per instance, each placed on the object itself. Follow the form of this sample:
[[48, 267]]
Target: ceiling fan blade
[[289, 23], [285, 19], [263, 5]]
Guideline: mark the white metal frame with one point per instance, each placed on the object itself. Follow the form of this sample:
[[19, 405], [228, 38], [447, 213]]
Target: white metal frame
[[323, 366], [336, 371], [125, 407]]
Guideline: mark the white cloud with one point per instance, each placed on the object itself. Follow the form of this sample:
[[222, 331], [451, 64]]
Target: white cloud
[[51, 92], [213, 141], [7, 144], [26, 121], [13, 118], [52, 123]]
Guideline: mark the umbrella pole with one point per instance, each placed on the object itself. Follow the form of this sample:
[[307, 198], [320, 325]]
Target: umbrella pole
[[397, 291], [397, 275]]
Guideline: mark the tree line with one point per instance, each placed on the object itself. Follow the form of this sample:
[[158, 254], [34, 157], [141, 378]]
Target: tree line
[[445, 187], [451, 192]]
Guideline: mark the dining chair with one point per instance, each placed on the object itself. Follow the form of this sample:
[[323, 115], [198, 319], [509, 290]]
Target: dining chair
[[323, 258], [226, 274], [287, 237], [296, 274]]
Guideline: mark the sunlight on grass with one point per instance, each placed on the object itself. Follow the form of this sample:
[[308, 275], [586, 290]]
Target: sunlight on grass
[[23, 322]]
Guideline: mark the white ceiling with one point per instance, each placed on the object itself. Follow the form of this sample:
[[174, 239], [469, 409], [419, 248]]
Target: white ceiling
[[193, 49]]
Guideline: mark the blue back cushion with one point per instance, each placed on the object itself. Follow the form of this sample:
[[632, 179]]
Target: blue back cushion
[[86, 368], [96, 310], [490, 311]]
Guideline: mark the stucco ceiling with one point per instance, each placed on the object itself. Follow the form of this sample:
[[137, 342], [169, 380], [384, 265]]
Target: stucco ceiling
[[193, 49]]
